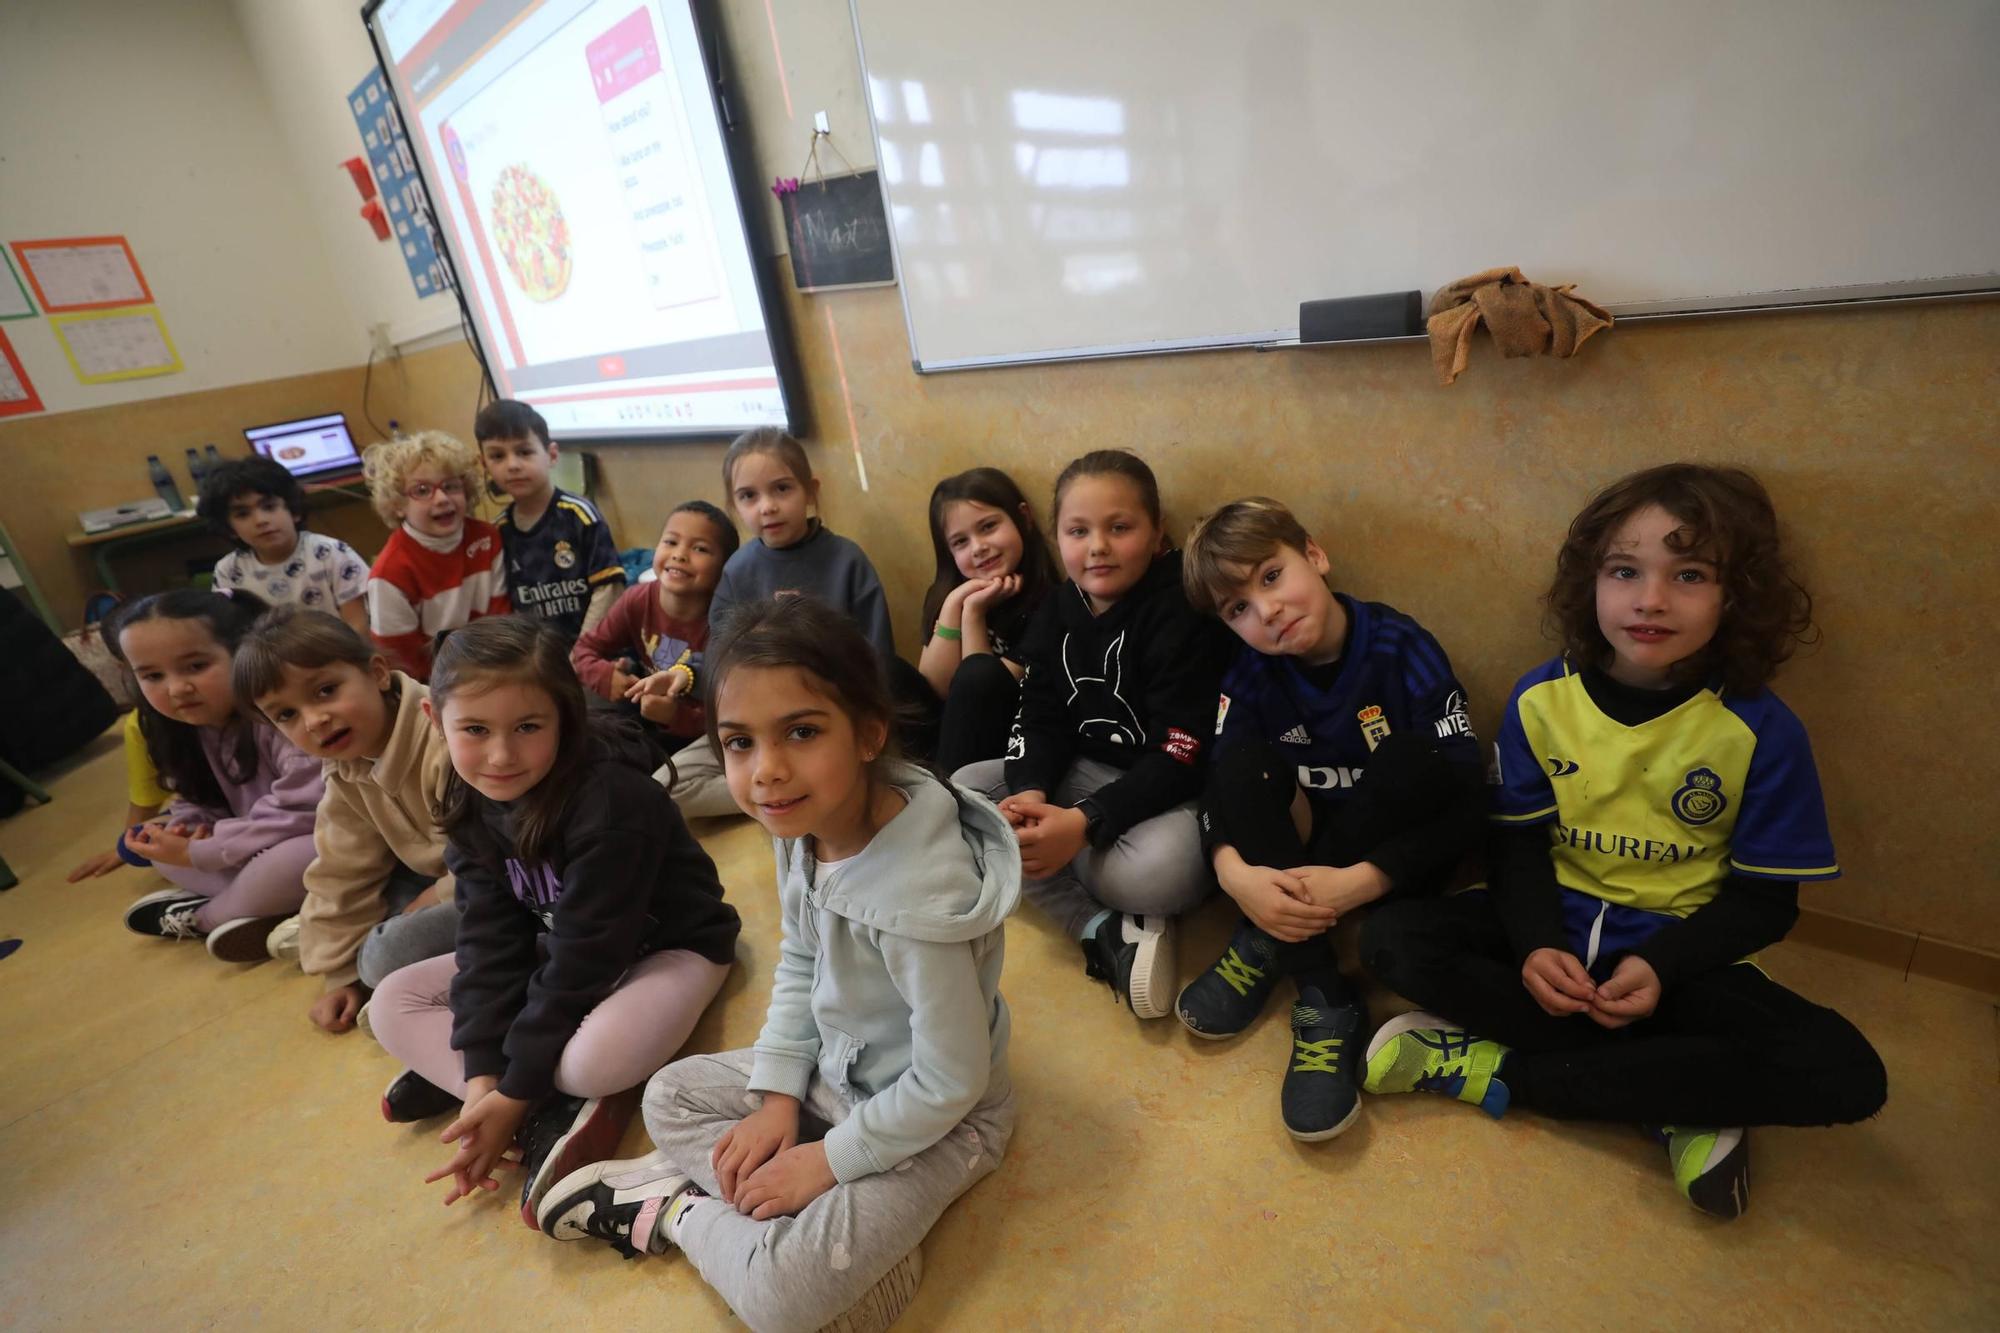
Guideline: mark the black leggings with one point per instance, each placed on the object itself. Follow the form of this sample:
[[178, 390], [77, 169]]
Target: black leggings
[[1728, 1047], [978, 712], [916, 709], [1249, 800]]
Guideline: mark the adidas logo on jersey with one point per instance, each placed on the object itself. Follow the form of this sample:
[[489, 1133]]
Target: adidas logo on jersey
[[1296, 736]]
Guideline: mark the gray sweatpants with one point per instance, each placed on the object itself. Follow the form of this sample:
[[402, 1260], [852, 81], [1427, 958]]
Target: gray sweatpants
[[1154, 869], [801, 1272], [699, 789], [405, 938]]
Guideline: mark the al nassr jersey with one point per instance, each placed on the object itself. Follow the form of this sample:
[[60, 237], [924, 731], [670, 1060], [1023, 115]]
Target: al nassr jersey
[[1656, 816], [1392, 677], [555, 566]]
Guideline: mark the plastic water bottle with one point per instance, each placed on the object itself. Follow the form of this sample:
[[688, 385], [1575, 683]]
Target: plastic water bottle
[[197, 470], [212, 461], [163, 484]]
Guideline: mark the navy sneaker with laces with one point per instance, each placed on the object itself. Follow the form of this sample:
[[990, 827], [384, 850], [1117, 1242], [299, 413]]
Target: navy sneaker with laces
[[1319, 1098], [1227, 998]]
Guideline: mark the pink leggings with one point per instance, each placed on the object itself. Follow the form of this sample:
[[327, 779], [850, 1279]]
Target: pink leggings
[[271, 883], [619, 1045]]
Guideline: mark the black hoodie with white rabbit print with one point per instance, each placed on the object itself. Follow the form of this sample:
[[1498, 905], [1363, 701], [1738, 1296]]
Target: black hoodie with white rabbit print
[[1135, 688]]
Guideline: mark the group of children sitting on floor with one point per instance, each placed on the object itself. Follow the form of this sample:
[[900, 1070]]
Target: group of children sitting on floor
[[472, 829]]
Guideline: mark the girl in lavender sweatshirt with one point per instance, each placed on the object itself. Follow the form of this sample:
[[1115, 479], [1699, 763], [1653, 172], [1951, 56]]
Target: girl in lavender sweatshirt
[[237, 838]]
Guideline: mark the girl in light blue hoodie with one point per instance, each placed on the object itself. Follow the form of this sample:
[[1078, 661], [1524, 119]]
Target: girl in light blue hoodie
[[801, 1174]]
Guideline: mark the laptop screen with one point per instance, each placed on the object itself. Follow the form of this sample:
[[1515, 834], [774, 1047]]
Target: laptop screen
[[313, 447]]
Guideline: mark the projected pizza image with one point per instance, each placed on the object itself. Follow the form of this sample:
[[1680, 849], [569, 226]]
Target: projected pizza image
[[532, 233]]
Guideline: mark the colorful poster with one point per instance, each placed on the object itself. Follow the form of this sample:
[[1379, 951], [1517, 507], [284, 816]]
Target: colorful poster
[[113, 345], [395, 169], [17, 392], [15, 303], [83, 273]]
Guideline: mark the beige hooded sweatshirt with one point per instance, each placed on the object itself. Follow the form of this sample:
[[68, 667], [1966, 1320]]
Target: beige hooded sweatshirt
[[374, 814]]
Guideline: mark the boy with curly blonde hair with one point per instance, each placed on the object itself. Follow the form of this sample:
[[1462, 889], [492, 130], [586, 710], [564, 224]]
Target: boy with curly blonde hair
[[441, 568]]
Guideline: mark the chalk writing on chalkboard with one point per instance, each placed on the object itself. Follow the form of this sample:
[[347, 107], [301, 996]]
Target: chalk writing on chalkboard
[[839, 234]]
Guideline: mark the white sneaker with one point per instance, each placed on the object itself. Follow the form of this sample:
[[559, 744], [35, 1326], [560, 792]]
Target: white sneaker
[[283, 941], [1134, 955], [1151, 989], [622, 1203]]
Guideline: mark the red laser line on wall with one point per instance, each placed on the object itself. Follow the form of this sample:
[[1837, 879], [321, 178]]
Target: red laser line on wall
[[846, 399], [784, 84]]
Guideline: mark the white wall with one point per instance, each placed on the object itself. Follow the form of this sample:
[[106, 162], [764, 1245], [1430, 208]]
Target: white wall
[[308, 55], [210, 133], [148, 120]]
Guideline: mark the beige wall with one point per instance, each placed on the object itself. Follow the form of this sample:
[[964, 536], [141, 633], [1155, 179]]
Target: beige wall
[[58, 465], [1873, 429]]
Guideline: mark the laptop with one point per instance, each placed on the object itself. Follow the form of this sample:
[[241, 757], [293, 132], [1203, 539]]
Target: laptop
[[317, 449]]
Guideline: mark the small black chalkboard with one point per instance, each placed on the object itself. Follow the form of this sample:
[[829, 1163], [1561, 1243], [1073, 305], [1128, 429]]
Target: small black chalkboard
[[839, 233]]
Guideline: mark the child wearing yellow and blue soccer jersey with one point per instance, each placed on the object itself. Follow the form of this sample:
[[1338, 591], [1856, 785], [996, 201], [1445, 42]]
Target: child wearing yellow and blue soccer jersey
[[1657, 808]]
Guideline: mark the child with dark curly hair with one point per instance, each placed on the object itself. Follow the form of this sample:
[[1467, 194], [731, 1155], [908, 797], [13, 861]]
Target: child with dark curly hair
[[1657, 808], [261, 509]]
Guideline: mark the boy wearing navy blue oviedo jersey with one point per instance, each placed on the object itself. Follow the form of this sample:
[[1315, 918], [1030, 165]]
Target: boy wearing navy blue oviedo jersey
[[561, 562], [1345, 771], [1657, 808]]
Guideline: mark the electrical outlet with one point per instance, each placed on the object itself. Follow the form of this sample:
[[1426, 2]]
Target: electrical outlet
[[821, 123], [379, 342]]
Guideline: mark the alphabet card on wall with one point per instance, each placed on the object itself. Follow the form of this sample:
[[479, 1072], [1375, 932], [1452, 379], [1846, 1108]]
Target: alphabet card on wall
[[395, 168]]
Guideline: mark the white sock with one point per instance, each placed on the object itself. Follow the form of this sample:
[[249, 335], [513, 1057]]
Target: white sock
[[677, 1211]]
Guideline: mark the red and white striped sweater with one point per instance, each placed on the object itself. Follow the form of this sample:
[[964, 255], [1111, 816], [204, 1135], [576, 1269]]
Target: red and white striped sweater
[[421, 585]]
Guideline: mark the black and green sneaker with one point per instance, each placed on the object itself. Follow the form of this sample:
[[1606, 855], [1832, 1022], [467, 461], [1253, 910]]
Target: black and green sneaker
[[1319, 1098], [1227, 998], [1711, 1167]]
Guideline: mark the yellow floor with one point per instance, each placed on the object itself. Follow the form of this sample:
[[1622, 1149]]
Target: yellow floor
[[183, 1149]]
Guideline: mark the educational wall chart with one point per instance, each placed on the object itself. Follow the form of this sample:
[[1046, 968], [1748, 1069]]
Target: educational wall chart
[[17, 392], [83, 273], [109, 345], [402, 190], [15, 303]]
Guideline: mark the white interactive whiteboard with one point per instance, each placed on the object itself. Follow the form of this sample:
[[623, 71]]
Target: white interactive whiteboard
[[586, 185], [1070, 180]]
